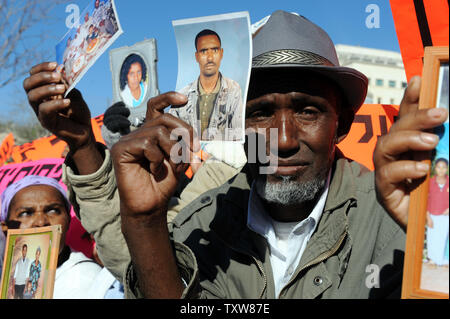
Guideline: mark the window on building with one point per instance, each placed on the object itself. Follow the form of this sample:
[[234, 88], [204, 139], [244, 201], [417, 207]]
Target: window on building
[[379, 82], [392, 101], [392, 84], [369, 98], [404, 85], [379, 100]]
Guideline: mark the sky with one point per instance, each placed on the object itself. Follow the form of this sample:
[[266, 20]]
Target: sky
[[344, 21]]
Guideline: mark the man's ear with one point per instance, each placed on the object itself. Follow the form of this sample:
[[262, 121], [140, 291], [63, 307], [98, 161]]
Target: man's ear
[[345, 122], [340, 138], [196, 56]]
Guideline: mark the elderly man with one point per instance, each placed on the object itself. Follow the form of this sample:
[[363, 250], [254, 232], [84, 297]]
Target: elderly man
[[214, 108], [246, 238], [309, 230]]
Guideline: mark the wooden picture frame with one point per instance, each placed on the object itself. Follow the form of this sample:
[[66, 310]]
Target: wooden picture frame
[[419, 275], [41, 283]]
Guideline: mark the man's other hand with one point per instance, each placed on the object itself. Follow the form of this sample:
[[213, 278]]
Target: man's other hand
[[68, 118], [146, 172], [398, 155]]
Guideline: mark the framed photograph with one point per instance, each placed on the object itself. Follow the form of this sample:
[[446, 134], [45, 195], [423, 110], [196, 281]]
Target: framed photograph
[[98, 27], [134, 77], [426, 269], [214, 62], [29, 263]]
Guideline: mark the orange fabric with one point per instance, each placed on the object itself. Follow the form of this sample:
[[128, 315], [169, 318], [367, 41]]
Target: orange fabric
[[438, 21], [50, 146], [408, 32], [6, 148], [371, 121]]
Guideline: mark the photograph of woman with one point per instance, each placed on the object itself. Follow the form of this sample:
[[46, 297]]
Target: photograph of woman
[[133, 81], [437, 214], [35, 272]]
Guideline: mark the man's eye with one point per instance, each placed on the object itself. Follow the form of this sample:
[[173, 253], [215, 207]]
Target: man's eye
[[308, 113], [259, 114]]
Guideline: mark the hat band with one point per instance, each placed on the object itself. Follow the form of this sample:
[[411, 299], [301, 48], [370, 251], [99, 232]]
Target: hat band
[[289, 56]]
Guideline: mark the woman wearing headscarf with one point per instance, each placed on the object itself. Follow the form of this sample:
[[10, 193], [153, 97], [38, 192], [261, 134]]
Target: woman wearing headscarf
[[37, 201]]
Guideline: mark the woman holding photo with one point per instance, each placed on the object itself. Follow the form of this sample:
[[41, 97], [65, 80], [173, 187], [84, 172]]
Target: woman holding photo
[[37, 201], [437, 213]]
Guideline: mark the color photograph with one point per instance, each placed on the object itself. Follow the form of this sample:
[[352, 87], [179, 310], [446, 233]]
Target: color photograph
[[214, 59], [133, 80], [83, 44], [29, 263], [435, 267]]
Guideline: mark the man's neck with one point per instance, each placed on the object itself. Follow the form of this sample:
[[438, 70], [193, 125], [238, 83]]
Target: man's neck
[[208, 83], [287, 214]]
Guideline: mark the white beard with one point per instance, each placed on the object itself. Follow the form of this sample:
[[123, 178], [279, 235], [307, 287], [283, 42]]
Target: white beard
[[287, 191]]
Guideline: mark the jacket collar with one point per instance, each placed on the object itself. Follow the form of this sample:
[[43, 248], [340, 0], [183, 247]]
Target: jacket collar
[[194, 85], [231, 220]]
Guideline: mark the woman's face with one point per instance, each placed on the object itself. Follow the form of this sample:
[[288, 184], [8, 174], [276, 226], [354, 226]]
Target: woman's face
[[134, 75], [38, 254], [441, 169], [40, 206]]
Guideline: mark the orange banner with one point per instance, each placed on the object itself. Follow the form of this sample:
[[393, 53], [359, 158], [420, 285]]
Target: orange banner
[[6, 148], [371, 122], [50, 146], [419, 23]]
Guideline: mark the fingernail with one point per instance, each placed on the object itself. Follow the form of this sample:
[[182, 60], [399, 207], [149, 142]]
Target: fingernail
[[60, 87], [429, 138], [423, 167], [66, 101], [436, 112], [53, 64]]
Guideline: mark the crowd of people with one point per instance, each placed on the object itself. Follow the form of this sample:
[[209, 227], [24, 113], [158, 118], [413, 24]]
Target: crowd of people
[[308, 229]]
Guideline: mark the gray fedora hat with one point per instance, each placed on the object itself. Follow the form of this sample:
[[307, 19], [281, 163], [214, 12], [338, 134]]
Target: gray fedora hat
[[288, 40]]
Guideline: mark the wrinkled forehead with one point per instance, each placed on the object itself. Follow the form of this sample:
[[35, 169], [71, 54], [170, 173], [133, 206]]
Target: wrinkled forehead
[[288, 80], [35, 194]]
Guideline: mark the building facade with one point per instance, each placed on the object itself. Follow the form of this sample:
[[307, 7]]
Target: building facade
[[384, 69]]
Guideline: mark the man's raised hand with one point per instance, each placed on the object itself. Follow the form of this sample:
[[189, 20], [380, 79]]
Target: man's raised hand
[[68, 118], [397, 156], [146, 171]]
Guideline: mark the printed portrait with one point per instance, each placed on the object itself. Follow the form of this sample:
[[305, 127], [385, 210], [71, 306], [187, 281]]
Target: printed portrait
[[214, 59], [133, 80]]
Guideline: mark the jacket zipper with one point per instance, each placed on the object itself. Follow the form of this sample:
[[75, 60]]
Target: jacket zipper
[[319, 259], [258, 264], [264, 276]]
